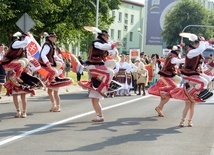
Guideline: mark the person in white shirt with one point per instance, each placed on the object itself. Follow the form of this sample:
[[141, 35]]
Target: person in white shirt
[[195, 89], [100, 75], [16, 57]]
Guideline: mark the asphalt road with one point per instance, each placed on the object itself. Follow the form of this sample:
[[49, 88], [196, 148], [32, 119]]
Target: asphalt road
[[131, 127]]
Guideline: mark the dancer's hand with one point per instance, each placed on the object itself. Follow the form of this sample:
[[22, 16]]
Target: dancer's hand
[[211, 40], [200, 38], [118, 44]]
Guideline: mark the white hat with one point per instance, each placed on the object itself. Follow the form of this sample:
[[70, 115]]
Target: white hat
[[193, 37], [137, 59]]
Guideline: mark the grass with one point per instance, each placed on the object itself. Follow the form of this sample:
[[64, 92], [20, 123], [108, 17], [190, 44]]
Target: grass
[[74, 76]]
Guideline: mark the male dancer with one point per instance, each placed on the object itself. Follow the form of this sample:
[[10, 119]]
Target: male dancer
[[101, 75]]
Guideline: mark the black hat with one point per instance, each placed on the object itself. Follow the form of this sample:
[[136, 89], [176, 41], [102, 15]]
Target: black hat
[[52, 34], [23, 34], [174, 52], [191, 46], [142, 53], [103, 32]]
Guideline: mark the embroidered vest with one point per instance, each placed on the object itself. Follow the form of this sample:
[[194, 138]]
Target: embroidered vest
[[50, 55], [13, 54], [168, 69], [191, 66], [97, 55]]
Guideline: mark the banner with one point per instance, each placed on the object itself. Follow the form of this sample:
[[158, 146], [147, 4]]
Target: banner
[[150, 72], [134, 53], [166, 51], [156, 12]]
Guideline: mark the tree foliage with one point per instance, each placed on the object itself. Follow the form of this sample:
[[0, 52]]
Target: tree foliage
[[64, 17], [186, 12]]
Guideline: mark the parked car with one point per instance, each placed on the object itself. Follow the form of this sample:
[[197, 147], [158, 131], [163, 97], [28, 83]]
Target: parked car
[[207, 53]]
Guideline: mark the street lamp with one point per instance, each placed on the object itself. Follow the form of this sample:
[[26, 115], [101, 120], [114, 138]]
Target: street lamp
[[139, 31]]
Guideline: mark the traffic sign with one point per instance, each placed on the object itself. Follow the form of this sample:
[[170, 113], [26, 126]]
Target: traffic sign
[[25, 23]]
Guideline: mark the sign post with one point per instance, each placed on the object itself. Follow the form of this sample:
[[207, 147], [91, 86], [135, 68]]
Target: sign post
[[25, 23]]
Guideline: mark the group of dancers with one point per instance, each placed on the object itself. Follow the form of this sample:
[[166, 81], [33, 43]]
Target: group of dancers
[[102, 65], [21, 65], [195, 88], [193, 71]]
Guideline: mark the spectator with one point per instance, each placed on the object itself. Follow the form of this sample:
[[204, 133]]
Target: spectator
[[80, 73]]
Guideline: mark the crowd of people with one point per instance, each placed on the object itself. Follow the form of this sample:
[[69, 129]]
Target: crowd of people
[[184, 77]]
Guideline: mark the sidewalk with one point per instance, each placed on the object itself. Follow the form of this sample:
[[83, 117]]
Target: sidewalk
[[67, 89]]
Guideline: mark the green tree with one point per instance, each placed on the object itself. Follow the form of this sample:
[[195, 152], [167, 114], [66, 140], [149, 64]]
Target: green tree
[[186, 12], [64, 17]]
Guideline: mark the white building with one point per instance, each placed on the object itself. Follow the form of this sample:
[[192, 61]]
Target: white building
[[127, 21]]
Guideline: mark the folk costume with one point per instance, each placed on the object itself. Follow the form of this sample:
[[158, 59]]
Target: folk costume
[[129, 75], [101, 75], [52, 64], [195, 88], [142, 78], [168, 80], [168, 76], [47, 58], [121, 76], [2, 71], [156, 66], [16, 58]]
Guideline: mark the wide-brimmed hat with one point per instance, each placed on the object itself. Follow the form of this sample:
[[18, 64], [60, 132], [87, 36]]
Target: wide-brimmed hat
[[52, 34], [19, 34], [174, 52], [104, 32]]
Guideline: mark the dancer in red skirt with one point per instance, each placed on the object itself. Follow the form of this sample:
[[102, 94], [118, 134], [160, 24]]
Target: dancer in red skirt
[[168, 79], [195, 87]]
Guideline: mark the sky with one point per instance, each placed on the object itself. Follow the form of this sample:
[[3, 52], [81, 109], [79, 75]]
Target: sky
[[143, 1], [138, 1]]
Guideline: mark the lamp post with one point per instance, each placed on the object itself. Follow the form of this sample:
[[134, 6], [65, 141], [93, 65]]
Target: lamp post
[[139, 31]]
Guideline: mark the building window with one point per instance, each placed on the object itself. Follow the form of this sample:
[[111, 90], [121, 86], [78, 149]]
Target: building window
[[112, 33], [126, 21], [132, 19], [119, 35], [120, 17], [131, 36], [124, 42], [125, 28], [126, 15]]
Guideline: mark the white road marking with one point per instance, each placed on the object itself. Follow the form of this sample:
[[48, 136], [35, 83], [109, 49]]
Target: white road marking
[[11, 139]]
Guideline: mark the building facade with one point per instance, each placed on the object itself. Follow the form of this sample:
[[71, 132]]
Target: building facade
[[127, 21]]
